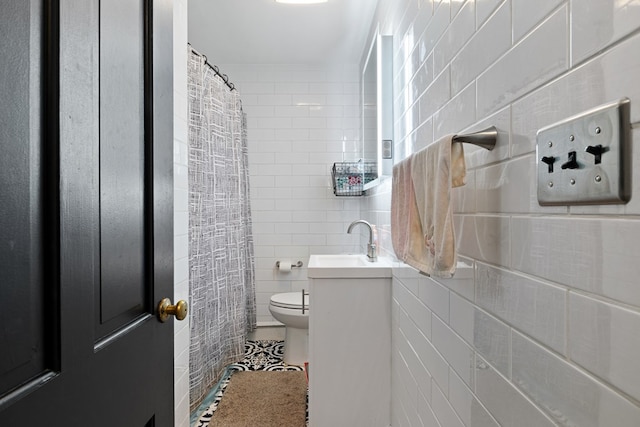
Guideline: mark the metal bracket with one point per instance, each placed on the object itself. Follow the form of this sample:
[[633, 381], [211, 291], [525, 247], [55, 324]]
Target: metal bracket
[[303, 304]]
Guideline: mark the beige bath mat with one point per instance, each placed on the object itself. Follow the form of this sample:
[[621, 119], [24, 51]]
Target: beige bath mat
[[263, 399]]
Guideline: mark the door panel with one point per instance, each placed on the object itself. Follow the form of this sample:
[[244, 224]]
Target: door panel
[[88, 190], [123, 286], [22, 332]]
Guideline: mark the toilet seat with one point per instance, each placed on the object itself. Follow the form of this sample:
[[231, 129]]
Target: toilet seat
[[290, 300]]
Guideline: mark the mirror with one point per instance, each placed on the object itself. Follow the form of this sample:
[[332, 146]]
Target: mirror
[[377, 110]]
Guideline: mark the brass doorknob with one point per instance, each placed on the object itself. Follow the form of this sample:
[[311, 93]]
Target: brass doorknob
[[165, 309]]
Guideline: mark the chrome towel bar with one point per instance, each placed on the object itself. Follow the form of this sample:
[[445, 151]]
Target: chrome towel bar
[[485, 138]]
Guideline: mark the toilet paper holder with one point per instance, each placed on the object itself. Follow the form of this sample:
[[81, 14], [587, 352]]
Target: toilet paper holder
[[298, 264]]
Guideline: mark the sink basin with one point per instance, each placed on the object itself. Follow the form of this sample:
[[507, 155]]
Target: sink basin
[[347, 266], [344, 260]]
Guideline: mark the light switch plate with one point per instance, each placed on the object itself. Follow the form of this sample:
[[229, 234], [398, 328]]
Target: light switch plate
[[387, 149], [586, 159]]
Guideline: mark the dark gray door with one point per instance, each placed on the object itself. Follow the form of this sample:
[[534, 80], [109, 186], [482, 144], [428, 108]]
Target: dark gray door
[[86, 212]]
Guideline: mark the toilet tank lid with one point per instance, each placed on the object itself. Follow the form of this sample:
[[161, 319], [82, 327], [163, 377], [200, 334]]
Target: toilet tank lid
[[290, 299]]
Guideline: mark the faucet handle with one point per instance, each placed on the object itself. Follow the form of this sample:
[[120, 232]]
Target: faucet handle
[[371, 252]]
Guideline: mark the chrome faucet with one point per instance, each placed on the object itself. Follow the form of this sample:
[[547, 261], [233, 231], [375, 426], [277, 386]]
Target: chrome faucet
[[371, 248]]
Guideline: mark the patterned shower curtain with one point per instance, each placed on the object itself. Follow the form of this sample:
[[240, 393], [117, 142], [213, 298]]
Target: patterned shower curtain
[[221, 259]]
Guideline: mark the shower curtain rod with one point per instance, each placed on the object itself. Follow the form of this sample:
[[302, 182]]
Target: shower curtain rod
[[224, 77]]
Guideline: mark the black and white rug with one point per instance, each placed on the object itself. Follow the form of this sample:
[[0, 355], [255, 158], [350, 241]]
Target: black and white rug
[[259, 355]]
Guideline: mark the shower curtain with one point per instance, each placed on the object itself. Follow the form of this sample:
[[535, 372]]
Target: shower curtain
[[221, 259]]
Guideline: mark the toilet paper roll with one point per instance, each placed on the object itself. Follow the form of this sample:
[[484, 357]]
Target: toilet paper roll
[[285, 266]]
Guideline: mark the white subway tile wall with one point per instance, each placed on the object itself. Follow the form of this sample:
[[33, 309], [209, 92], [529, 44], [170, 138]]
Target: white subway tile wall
[[486, 45], [300, 120], [545, 331]]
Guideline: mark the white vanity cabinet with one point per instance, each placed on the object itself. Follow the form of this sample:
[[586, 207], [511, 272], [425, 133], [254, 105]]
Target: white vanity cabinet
[[349, 343]]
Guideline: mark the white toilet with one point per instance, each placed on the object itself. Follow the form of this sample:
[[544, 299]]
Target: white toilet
[[287, 309]]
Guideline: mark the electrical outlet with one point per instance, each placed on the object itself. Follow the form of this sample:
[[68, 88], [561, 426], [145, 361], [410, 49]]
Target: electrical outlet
[[586, 159]]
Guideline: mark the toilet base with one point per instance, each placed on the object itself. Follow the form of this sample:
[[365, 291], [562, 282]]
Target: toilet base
[[296, 346]]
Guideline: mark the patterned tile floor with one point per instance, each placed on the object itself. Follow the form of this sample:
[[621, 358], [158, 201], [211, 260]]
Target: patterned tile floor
[[261, 355]]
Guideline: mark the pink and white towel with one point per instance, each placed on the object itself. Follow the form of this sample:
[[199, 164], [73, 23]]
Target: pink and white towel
[[422, 231]]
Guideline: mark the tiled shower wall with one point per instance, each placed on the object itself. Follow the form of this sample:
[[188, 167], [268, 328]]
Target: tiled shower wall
[[545, 330], [300, 120]]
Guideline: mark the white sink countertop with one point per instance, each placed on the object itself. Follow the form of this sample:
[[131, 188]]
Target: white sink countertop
[[347, 266]]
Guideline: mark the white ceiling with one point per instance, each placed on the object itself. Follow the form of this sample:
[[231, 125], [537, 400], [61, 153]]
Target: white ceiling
[[266, 32]]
